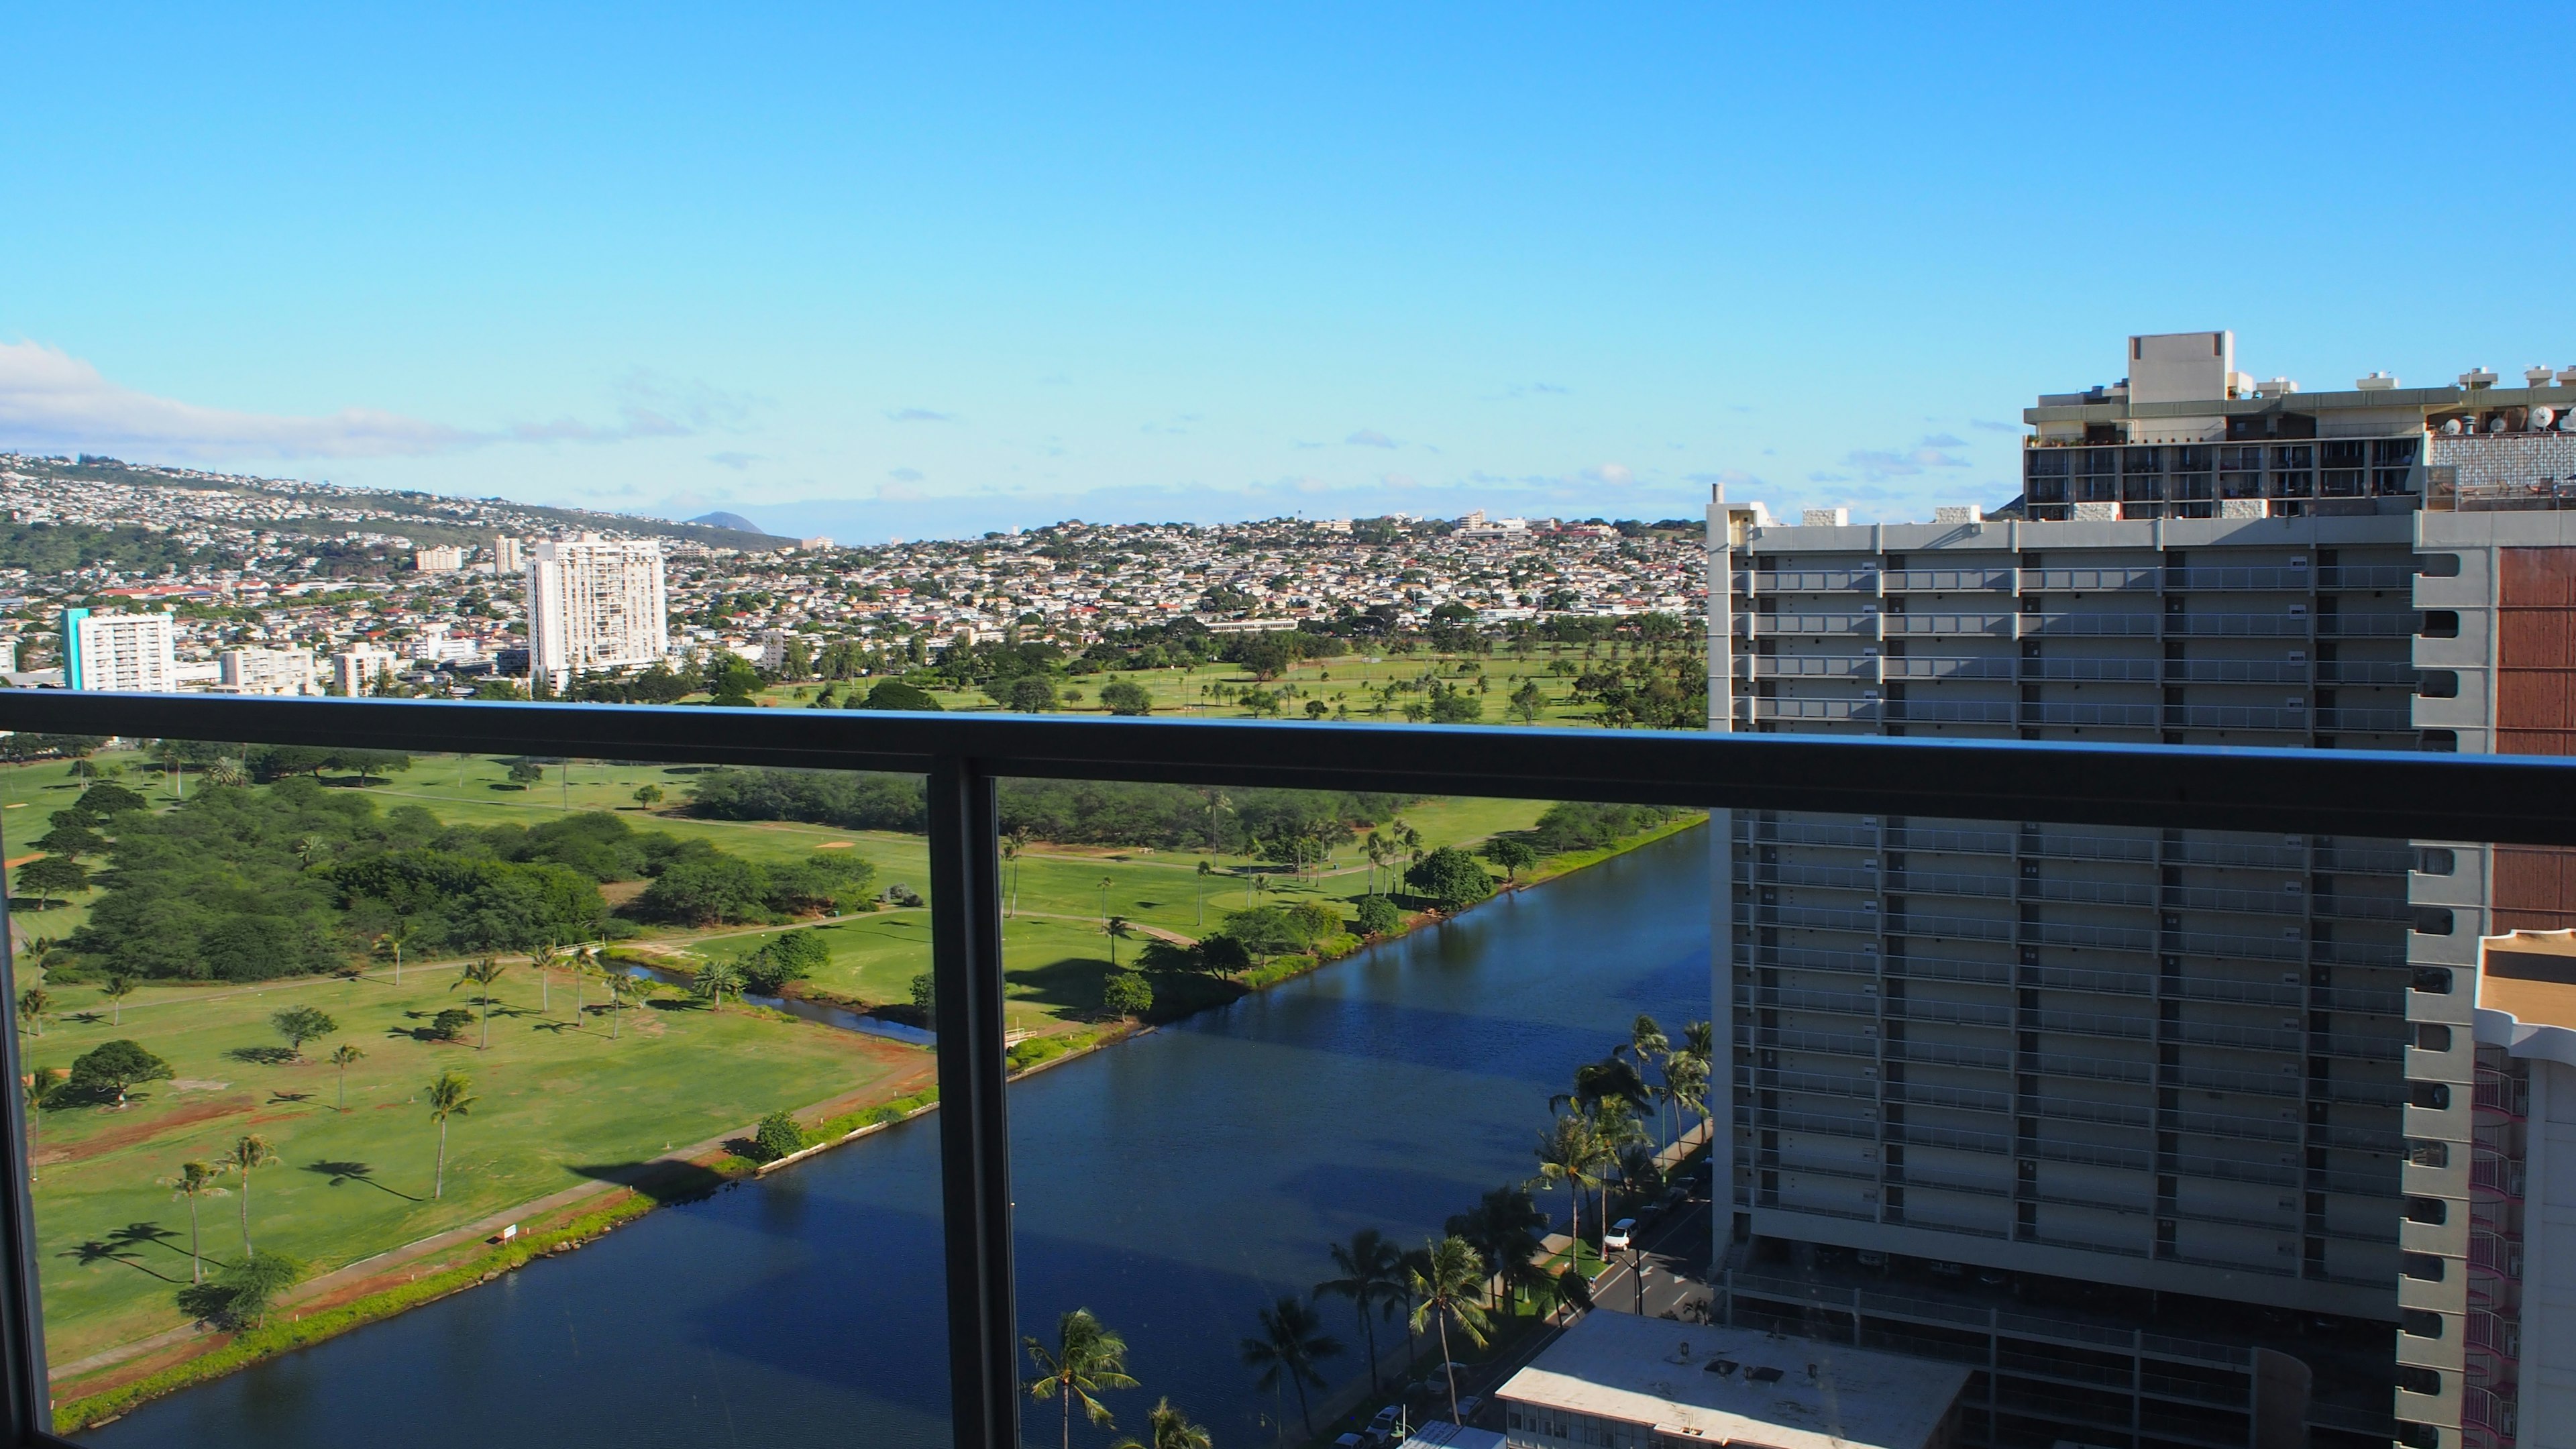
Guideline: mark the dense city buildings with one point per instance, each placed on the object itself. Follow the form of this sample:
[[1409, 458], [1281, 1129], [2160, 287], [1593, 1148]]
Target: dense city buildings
[[2208, 1070], [595, 604], [118, 651]]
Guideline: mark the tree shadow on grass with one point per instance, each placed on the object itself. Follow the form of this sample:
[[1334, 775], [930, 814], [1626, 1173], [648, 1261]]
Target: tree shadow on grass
[[361, 1172], [288, 1099], [1071, 983], [115, 1248], [266, 1056], [663, 1182]]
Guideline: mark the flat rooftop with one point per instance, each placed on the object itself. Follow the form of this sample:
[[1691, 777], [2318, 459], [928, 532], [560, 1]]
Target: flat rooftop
[[1738, 1385]]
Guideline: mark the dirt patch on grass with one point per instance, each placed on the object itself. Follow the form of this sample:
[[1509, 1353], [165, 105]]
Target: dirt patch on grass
[[127, 1134]]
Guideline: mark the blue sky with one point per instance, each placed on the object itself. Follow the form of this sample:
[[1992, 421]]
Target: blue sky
[[932, 269]]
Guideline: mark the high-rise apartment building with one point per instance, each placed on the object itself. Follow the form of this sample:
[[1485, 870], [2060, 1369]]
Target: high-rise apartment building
[[2189, 1069], [505, 555], [595, 604], [131, 652], [444, 559], [356, 670], [266, 671]]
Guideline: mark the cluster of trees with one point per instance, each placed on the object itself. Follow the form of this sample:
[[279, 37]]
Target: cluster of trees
[[54, 548], [1610, 1125], [246, 885]]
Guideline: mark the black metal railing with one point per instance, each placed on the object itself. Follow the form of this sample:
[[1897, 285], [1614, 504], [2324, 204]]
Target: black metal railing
[[2441, 797]]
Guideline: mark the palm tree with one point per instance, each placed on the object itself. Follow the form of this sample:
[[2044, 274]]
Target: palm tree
[[621, 989], [1685, 1086], [1089, 1358], [116, 990], [1205, 870], [585, 964], [250, 1152], [449, 1096], [485, 973], [1292, 1342], [1105, 883], [1568, 1152], [391, 943], [341, 1057], [1116, 930], [193, 1181], [1505, 1226], [33, 1003], [1171, 1429], [1448, 1291], [716, 978], [1372, 1278], [44, 1089], [1649, 1046], [1609, 1079], [541, 956]]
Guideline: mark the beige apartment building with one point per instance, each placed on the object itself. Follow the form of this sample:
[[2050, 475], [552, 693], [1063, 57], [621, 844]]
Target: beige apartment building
[[2157, 1072]]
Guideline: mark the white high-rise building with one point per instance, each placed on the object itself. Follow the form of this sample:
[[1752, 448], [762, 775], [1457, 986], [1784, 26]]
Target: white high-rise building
[[445, 559], [505, 555], [2218, 1081], [267, 671], [128, 652], [355, 672], [595, 604]]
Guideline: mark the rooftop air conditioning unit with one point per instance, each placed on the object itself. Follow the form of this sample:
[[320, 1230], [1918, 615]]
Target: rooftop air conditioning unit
[[2376, 382]]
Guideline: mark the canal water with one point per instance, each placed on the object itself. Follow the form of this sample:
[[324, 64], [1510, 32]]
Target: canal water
[[1174, 1185]]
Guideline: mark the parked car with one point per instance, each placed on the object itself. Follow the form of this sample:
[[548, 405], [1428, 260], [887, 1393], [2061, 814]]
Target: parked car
[[1621, 1232]]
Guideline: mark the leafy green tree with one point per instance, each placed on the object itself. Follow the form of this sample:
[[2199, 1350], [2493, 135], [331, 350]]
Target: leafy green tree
[[1449, 1289], [486, 974], [249, 1153], [71, 836], [895, 694], [1450, 879], [1027, 694], [1512, 854], [706, 891], [777, 1136], [300, 1024], [1291, 1344], [449, 1096], [1126, 696], [116, 990], [1379, 916], [106, 800], [1089, 1358], [49, 876], [342, 1057], [242, 1295], [1224, 955], [925, 997], [1126, 993], [1168, 1428], [194, 1180], [648, 796], [117, 1066], [1372, 1278]]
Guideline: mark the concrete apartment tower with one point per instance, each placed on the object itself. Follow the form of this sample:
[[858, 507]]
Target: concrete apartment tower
[[134, 653], [2183, 1117], [595, 603]]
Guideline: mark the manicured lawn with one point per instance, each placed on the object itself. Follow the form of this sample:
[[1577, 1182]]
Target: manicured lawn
[[556, 1104]]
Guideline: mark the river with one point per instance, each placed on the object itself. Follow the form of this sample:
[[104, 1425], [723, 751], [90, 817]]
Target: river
[[1174, 1185]]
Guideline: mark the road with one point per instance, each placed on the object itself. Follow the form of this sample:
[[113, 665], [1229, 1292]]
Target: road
[[1673, 1254]]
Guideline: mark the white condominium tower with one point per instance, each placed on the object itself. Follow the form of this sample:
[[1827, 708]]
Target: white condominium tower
[[594, 604], [128, 652], [2206, 1093]]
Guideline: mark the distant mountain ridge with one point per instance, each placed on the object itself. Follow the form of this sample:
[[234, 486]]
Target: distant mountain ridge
[[425, 518]]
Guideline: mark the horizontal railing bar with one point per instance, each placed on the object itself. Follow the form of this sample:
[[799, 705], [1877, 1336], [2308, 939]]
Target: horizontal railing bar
[[2528, 800]]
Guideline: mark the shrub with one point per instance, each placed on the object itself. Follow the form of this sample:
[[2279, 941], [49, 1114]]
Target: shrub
[[1126, 993], [1450, 879], [777, 1136], [1379, 916]]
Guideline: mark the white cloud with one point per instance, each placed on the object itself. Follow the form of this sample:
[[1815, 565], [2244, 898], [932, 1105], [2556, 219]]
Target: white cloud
[[50, 399], [1370, 438], [1615, 474]]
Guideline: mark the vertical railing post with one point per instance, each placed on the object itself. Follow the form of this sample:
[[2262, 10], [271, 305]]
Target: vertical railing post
[[974, 1136], [22, 1333]]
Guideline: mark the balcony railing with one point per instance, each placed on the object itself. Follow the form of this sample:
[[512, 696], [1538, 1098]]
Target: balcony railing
[[2392, 796]]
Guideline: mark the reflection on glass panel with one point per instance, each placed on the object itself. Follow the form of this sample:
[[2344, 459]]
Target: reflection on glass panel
[[345, 1053], [1371, 1016]]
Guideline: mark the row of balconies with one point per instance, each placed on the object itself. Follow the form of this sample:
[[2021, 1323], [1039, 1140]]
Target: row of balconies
[[1870, 579], [1886, 668], [2014, 624], [2296, 854], [2293, 719]]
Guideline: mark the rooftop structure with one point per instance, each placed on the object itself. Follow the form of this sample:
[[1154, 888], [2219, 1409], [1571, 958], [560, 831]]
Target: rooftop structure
[[1615, 1378]]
